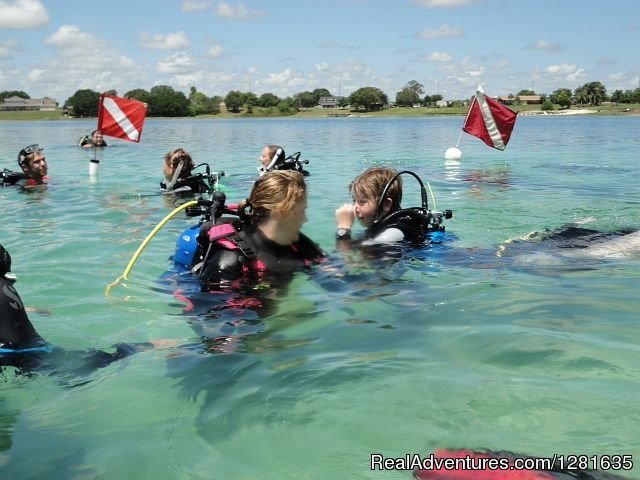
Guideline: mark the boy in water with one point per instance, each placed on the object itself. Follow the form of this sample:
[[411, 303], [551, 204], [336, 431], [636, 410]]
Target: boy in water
[[372, 211]]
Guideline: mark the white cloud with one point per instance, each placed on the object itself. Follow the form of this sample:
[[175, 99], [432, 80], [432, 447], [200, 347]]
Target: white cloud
[[577, 75], [22, 14], [501, 65], [224, 82], [275, 79], [442, 3], [99, 69], [178, 63], [617, 77], [85, 55], [240, 12], [472, 73], [36, 74], [475, 73], [126, 62], [171, 41], [545, 46], [88, 63], [286, 82], [194, 6], [443, 31], [343, 79], [606, 61], [338, 46], [215, 51], [565, 72], [7, 47], [70, 41], [562, 69], [188, 80], [438, 57]]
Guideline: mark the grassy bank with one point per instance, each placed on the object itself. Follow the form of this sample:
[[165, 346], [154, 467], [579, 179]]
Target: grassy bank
[[31, 115], [633, 109]]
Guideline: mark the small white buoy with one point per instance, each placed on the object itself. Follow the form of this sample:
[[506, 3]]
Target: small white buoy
[[453, 153], [93, 168]]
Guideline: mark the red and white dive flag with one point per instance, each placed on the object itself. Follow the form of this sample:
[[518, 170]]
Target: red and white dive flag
[[121, 117], [490, 121]]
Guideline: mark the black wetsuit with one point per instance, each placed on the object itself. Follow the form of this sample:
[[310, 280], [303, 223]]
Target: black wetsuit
[[16, 330], [190, 185], [256, 255], [23, 348]]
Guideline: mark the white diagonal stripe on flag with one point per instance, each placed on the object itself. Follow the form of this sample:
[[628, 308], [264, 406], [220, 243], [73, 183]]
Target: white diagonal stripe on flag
[[121, 119], [490, 122]]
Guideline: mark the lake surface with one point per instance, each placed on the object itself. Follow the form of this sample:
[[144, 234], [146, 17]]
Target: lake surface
[[450, 347]]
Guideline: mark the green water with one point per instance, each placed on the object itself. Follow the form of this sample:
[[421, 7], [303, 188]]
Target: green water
[[451, 348]]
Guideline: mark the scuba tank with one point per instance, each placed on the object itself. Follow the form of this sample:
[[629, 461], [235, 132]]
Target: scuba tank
[[7, 177], [187, 245]]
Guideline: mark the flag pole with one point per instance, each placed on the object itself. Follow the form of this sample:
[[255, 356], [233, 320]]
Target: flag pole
[[454, 153], [459, 138], [475, 99]]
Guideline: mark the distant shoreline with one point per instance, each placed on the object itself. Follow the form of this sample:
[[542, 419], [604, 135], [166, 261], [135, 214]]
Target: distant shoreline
[[398, 112]]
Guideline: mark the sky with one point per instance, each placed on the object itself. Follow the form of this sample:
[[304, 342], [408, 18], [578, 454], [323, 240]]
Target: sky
[[55, 47]]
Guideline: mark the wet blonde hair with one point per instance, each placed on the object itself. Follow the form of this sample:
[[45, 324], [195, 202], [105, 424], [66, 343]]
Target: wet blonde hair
[[276, 192], [370, 184], [180, 154]]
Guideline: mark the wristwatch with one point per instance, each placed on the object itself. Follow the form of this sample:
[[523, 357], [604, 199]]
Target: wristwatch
[[343, 233]]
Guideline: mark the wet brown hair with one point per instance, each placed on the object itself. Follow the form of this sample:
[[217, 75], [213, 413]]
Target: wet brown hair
[[174, 157], [276, 192], [370, 184]]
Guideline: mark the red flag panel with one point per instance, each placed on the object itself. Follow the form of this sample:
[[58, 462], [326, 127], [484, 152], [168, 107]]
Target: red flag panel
[[121, 117], [490, 121]]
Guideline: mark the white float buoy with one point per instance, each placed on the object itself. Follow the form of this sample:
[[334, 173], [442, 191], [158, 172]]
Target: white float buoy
[[93, 167], [453, 153]]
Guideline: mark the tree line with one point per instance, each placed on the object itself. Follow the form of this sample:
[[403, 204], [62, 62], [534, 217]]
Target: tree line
[[164, 101], [592, 94]]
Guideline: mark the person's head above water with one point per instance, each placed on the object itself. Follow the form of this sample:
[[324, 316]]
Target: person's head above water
[[94, 140], [177, 164], [366, 190], [97, 138], [270, 156], [33, 162], [277, 205]]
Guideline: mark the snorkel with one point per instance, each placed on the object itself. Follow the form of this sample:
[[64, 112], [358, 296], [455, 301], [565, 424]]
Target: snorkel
[[276, 157], [292, 162], [176, 175]]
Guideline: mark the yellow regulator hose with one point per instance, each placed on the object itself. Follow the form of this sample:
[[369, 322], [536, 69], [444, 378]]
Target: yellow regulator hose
[[144, 243]]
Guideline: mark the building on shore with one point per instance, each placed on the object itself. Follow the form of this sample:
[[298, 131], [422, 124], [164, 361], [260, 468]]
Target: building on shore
[[16, 104], [330, 102]]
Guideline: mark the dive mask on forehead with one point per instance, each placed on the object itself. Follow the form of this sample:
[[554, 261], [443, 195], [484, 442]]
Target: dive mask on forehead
[[26, 151]]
